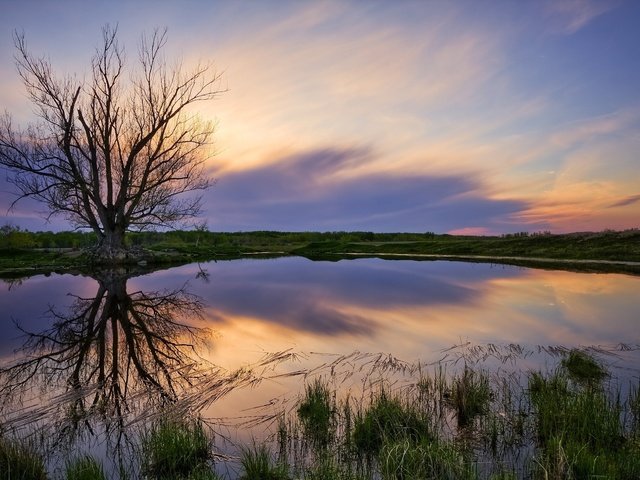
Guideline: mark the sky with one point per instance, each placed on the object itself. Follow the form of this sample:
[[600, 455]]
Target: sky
[[475, 117]]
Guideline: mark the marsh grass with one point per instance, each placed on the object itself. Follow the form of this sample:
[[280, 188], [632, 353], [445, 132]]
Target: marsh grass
[[470, 423], [426, 460], [19, 461], [579, 425], [175, 448], [583, 368], [258, 464], [470, 395], [84, 468], [388, 419], [317, 413]]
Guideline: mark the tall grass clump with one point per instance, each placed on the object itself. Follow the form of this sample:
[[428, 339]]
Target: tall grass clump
[[257, 464], [426, 460], [20, 462], [388, 419], [84, 468], [470, 396], [583, 368], [579, 431], [317, 413], [174, 449]]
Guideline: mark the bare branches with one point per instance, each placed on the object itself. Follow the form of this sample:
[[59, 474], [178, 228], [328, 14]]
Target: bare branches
[[116, 151]]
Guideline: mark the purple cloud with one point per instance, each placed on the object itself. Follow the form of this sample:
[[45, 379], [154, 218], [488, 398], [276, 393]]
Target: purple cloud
[[303, 192], [630, 200]]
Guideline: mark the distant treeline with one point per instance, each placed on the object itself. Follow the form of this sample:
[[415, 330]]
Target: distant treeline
[[606, 244], [12, 237]]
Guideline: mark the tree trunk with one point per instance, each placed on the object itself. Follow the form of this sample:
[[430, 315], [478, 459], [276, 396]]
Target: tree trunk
[[111, 248]]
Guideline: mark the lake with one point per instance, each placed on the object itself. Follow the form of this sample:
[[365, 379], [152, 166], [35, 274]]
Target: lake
[[89, 359]]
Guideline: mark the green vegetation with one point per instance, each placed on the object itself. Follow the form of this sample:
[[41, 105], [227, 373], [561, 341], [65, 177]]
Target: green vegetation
[[84, 468], [176, 449], [470, 396], [389, 419], [317, 413], [583, 368], [437, 460], [555, 426], [20, 462], [579, 432], [42, 251], [257, 464]]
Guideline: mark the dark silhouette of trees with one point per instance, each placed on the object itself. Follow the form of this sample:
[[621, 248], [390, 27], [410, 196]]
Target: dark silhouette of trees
[[118, 151]]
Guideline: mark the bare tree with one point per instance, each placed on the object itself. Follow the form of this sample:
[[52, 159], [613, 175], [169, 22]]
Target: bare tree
[[115, 355], [117, 151]]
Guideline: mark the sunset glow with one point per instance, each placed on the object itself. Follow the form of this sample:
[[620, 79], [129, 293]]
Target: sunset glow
[[454, 117]]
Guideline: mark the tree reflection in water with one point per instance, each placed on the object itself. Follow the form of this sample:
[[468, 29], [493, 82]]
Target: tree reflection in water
[[109, 361]]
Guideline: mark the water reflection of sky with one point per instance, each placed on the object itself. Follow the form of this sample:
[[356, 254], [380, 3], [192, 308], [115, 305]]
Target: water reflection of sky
[[411, 309]]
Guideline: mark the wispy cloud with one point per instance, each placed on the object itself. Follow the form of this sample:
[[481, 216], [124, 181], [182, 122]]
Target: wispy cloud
[[569, 16], [625, 202]]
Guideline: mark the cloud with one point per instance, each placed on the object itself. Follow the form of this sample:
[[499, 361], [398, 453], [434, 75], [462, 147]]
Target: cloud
[[330, 298], [322, 190], [630, 200], [569, 16]]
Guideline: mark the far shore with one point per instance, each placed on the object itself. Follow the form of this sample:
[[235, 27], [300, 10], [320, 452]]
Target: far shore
[[28, 253]]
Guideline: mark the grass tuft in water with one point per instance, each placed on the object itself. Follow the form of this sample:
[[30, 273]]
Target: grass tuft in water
[[20, 462], [330, 469], [583, 368], [405, 460], [176, 449], [316, 413], [84, 468], [579, 431], [257, 464], [388, 419], [470, 396]]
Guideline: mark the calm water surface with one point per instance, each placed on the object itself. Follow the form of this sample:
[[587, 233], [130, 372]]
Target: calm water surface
[[117, 347]]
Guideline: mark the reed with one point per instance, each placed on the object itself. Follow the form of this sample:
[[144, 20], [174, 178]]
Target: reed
[[174, 448], [84, 468], [20, 461], [258, 464]]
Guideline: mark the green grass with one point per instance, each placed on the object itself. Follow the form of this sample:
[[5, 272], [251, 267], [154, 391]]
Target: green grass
[[84, 468], [583, 368], [36, 249], [173, 449], [470, 396], [435, 460], [579, 430], [257, 464], [19, 461], [317, 413], [388, 419], [530, 426]]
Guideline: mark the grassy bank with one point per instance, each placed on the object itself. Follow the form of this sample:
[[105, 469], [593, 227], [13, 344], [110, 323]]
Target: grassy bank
[[22, 251], [572, 421]]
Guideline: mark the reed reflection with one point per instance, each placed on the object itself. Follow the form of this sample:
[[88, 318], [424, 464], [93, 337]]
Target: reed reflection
[[109, 358]]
